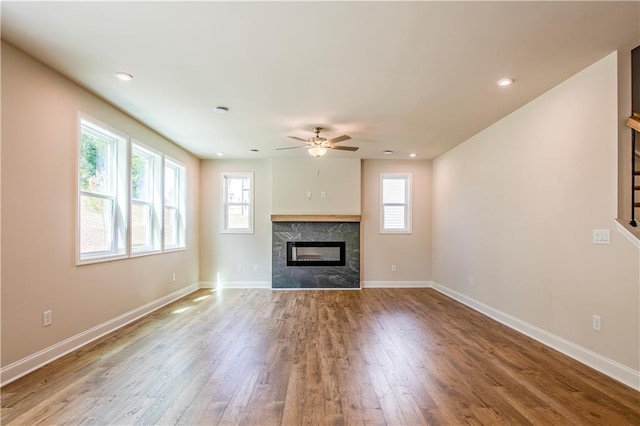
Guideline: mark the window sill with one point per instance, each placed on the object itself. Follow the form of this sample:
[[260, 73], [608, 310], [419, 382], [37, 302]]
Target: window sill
[[402, 231], [145, 253], [101, 259], [172, 249]]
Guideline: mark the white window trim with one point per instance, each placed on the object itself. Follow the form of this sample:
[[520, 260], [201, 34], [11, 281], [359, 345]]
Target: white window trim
[[121, 205], [157, 224], [223, 226], [181, 207], [123, 200], [409, 204]]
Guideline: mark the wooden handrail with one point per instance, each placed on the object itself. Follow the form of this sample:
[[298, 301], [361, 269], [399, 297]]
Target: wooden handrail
[[634, 121]]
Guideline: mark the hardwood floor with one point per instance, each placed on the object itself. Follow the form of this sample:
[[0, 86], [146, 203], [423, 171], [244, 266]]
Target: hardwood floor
[[261, 357]]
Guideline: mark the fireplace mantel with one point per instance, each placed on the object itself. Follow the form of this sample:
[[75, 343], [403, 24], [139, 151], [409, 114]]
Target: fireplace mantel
[[316, 218]]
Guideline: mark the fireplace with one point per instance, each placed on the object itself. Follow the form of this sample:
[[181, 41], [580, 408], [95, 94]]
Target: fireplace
[[320, 252], [315, 253]]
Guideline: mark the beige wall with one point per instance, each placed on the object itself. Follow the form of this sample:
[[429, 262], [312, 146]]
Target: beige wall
[[515, 206], [221, 254], [339, 178], [39, 132], [411, 253]]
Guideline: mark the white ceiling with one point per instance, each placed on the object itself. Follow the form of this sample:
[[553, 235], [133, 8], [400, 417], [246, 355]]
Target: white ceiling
[[409, 76]]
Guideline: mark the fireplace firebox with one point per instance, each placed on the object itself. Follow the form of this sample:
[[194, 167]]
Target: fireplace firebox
[[316, 253]]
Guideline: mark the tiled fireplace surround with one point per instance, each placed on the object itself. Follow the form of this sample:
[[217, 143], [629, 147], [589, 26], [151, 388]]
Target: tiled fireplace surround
[[315, 228]]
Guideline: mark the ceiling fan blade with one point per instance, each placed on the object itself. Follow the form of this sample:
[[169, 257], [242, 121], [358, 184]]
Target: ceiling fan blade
[[345, 148], [290, 147], [339, 139], [298, 139]]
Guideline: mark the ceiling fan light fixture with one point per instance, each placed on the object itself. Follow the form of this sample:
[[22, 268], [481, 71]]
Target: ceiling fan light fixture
[[317, 151]]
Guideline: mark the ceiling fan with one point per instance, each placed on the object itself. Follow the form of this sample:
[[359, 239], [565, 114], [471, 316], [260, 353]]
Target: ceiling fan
[[319, 146]]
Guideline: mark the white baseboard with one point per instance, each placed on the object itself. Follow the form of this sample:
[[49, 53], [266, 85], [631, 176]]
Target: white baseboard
[[207, 284], [242, 284], [611, 368], [397, 284], [26, 365]]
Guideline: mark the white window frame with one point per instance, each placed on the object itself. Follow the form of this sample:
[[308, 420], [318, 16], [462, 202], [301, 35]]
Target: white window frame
[[224, 177], [407, 204], [120, 197], [179, 207], [154, 204]]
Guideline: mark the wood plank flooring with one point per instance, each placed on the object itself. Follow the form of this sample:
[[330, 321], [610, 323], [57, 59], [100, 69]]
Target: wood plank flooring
[[262, 357]]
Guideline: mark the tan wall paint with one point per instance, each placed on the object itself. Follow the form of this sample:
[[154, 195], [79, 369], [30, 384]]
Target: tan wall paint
[[515, 206], [338, 177], [411, 253], [220, 254], [39, 132]]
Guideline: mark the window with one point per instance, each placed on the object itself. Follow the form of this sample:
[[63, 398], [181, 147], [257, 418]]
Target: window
[[237, 202], [146, 200], [174, 205], [122, 211], [102, 192], [395, 206]]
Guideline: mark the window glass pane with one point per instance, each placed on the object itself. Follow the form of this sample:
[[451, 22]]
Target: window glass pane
[[238, 217], [96, 224], [394, 217], [170, 226], [393, 191], [170, 187], [141, 176], [141, 225], [246, 190], [235, 190], [97, 162]]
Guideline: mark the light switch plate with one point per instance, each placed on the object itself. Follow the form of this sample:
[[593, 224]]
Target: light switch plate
[[601, 236]]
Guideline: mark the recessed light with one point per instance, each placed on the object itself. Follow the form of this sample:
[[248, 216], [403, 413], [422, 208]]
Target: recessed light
[[387, 152], [221, 109], [505, 82], [220, 154], [124, 76], [413, 155]]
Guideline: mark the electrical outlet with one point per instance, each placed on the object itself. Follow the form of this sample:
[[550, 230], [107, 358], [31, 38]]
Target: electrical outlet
[[238, 268], [323, 194], [393, 268], [471, 282], [173, 277], [47, 318], [597, 322], [255, 268]]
